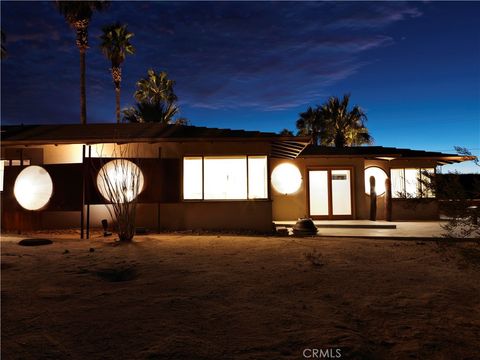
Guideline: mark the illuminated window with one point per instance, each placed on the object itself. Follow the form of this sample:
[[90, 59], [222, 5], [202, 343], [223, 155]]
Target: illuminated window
[[33, 188], [411, 183], [257, 177], [380, 177], [225, 178], [192, 178], [286, 178], [120, 181]]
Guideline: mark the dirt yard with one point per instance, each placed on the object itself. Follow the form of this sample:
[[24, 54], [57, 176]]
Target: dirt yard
[[177, 296]]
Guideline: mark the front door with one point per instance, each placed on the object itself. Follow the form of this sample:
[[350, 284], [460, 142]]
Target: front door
[[330, 193]]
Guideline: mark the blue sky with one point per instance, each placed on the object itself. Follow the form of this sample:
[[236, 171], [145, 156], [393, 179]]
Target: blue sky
[[413, 66]]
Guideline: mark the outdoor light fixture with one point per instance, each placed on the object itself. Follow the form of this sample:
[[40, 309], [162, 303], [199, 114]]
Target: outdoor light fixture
[[380, 176], [33, 188], [120, 181], [286, 178]]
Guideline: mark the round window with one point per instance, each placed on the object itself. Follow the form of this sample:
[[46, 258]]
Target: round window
[[33, 188], [380, 176], [286, 178], [120, 181]]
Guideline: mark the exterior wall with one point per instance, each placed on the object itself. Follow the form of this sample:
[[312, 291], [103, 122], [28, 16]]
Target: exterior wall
[[230, 215], [223, 215], [294, 206], [405, 209], [246, 215]]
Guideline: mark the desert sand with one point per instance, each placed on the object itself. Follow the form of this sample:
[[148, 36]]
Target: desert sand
[[186, 296]]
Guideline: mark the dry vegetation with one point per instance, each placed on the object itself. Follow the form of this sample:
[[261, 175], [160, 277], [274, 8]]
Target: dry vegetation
[[177, 296]]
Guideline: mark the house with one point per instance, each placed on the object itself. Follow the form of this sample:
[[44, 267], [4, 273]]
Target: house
[[203, 178]]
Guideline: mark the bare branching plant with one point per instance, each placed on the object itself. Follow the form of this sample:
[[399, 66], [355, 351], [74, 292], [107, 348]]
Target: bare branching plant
[[455, 202], [120, 181], [456, 205]]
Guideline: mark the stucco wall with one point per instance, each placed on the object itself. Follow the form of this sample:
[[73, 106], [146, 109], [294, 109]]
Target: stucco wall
[[229, 215], [293, 206], [215, 215]]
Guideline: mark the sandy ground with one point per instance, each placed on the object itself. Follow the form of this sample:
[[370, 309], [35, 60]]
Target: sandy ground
[[233, 297]]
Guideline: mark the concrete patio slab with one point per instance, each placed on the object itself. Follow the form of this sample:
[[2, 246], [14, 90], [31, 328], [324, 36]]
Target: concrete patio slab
[[375, 229]]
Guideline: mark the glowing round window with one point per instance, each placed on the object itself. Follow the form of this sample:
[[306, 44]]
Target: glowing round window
[[120, 181], [33, 188], [380, 176], [286, 178]]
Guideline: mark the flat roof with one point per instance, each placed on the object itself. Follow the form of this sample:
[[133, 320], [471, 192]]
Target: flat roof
[[381, 153], [128, 132], [288, 147]]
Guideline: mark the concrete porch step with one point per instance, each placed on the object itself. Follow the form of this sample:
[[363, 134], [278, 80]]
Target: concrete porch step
[[342, 224], [357, 226]]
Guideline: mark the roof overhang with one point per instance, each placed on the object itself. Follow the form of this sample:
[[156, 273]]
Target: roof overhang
[[441, 160], [288, 149]]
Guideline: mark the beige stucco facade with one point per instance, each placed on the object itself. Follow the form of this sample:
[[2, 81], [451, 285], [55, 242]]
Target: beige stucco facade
[[256, 215]]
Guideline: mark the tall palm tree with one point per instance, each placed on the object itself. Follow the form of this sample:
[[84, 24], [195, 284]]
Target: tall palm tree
[[78, 15], [116, 46], [345, 127]]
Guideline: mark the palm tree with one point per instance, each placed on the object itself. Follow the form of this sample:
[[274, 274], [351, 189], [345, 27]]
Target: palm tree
[[333, 124], [156, 101], [78, 15], [345, 127], [148, 112], [286, 132], [155, 88], [312, 124], [116, 46]]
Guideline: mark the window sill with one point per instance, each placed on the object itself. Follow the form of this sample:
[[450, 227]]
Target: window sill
[[225, 200], [415, 199]]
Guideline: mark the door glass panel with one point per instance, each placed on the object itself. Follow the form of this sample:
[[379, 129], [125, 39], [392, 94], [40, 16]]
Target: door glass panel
[[318, 181], [341, 193]]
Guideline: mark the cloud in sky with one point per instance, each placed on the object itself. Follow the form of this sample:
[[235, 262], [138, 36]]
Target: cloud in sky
[[223, 55]]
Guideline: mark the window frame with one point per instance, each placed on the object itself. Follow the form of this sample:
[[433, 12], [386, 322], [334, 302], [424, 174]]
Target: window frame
[[420, 170], [246, 156]]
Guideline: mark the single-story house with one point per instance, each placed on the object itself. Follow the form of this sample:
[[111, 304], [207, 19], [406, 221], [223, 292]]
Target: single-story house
[[203, 178]]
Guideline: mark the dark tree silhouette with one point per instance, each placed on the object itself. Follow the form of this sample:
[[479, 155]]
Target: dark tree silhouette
[[286, 132], [78, 15], [156, 100], [334, 124], [116, 46]]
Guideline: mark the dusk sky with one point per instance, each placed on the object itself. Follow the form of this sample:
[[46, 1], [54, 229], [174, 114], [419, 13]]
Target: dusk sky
[[414, 67]]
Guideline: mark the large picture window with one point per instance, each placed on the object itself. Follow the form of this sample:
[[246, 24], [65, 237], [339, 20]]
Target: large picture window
[[225, 178], [411, 183]]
